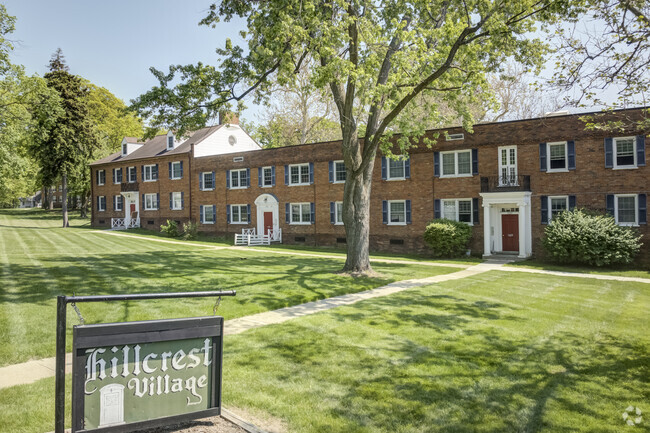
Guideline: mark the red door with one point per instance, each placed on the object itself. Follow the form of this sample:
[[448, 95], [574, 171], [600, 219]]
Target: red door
[[132, 207], [510, 232], [268, 222]]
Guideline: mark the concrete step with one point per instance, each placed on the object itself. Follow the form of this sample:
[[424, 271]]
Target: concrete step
[[504, 257]]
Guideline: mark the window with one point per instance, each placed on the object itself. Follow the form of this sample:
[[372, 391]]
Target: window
[[300, 213], [557, 156], [239, 178], [101, 203], [117, 175], [101, 178], [176, 170], [457, 163], [170, 142], [299, 174], [557, 205], [118, 203], [124, 149], [150, 202], [150, 173], [267, 176], [508, 166], [338, 213], [339, 172], [239, 214], [176, 201], [624, 152], [396, 169], [626, 209], [132, 174], [457, 210], [453, 137], [397, 212], [208, 214], [61, 186], [206, 181]]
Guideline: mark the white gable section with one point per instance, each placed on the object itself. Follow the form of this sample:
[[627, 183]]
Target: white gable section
[[227, 139]]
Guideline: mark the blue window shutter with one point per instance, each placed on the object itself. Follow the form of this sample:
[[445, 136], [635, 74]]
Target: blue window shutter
[[201, 181], [571, 151], [572, 202], [214, 213], [248, 177], [332, 212], [182, 200], [436, 208], [248, 210], [228, 213], [408, 211], [157, 200], [155, 176], [142, 201], [259, 176], [643, 209], [227, 179], [287, 210], [286, 175], [142, 172], [98, 199], [544, 203], [609, 153], [383, 168], [436, 164], [214, 182], [331, 168], [313, 212], [170, 170], [171, 202], [311, 172], [542, 156], [640, 150], [273, 175], [201, 213], [610, 204], [475, 212], [474, 161], [384, 211], [114, 202], [407, 168], [97, 179], [181, 169], [114, 175]]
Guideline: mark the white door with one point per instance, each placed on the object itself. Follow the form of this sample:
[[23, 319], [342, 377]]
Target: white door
[[111, 405], [508, 166]]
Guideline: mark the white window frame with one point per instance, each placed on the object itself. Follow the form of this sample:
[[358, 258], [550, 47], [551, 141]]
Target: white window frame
[[388, 162], [456, 173], [214, 216], [516, 166], [239, 207], [550, 204], [170, 143], [397, 223], [548, 157], [203, 174], [99, 177], [121, 202], [301, 222], [115, 170], [237, 173], [180, 200], [339, 214], [264, 184], [456, 216], [300, 173], [128, 174], [636, 210], [334, 165], [174, 164], [102, 201], [149, 169], [615, 152], [154, 201], [125, 149]]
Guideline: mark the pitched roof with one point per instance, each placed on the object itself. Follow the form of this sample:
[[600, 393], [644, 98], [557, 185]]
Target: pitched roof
[[157, 146]]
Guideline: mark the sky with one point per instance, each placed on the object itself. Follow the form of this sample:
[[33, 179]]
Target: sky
[[113, 43]]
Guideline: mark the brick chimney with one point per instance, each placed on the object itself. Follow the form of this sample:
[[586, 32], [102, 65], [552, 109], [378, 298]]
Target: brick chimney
[[228, 117]]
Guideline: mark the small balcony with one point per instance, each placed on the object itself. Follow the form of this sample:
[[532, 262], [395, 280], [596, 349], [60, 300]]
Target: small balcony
[[505, 183], [129, 187]]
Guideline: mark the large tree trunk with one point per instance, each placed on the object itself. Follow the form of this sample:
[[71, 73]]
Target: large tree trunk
[[84, 204], [356, 217], [64, 204], [50, 199]]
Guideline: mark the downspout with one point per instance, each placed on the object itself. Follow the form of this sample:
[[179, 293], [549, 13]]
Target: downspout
[[189, 169], [92, 198]]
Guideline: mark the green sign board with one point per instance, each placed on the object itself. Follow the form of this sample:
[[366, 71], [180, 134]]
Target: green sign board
[[133, 375]]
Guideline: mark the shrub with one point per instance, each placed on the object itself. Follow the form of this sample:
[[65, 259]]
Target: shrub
[[589, 238], [170, 229], [447, 238], [190, 230]]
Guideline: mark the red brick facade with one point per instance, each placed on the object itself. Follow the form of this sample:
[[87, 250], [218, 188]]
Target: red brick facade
[[589, 184]]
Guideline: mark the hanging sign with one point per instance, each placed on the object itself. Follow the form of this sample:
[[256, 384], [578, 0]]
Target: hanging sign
[[134, 375]]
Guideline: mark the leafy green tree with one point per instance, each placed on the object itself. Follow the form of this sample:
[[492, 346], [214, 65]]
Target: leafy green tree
[[7, 26], [63, 145], [374, 58]]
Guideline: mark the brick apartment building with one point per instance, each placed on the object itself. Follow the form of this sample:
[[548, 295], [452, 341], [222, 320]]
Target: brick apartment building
[[506, 179]]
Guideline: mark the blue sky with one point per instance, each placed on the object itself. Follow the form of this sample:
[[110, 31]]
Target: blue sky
[[113, 43]]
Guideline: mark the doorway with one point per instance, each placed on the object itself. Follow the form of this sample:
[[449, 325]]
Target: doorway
[[268, 222], [510, 232], [267, 213]]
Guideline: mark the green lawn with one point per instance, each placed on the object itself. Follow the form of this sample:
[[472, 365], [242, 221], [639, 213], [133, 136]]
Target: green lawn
[[623, 271], [39, 260]]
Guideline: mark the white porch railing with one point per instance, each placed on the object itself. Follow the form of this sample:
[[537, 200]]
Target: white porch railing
[[120, 223], [252, 240], [276, 235]]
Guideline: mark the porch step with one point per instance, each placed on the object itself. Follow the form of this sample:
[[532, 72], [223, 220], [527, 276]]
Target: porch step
[[504, 257]]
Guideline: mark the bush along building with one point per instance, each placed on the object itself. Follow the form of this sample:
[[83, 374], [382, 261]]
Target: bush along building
[[507, 180]]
